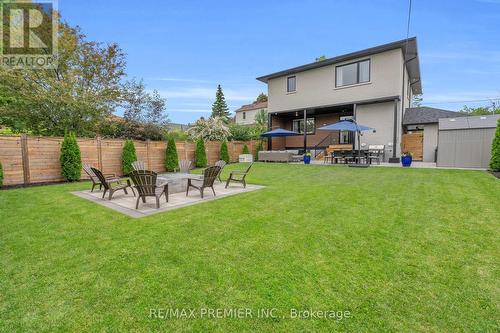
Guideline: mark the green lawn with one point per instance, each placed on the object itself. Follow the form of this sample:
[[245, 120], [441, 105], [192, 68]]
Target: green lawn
[[400, 249]]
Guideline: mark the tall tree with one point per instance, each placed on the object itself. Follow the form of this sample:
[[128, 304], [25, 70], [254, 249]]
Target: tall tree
[[495, 150], [261, 98], [261, 121], [80, 92], [416, 101], [493, 108], [219, 108]]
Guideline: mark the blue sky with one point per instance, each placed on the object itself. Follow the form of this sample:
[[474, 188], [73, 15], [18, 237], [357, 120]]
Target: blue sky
[[185, 48]]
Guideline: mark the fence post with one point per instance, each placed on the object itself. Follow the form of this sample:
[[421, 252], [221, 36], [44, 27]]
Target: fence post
[[147, 154], [25, 158], [99, 152]]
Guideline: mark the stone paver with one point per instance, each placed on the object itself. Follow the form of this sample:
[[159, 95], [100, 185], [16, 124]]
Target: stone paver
[[126, 203]]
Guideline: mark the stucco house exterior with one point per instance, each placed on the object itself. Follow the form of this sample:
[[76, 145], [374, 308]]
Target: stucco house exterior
[[372, 86], [245, 115]]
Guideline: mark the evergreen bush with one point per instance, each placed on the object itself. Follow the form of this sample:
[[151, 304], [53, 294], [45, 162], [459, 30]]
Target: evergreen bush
[[71, 163], [200, 154], [128, 156], [245, 150], [171, 157], [495, 150], [257, 149], [1, 175], [224, 153]]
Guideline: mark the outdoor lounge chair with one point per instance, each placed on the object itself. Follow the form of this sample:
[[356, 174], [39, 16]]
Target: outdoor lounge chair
[[138, 165], [221, 164], [238, 176], [209, 176], [95, 180], [184, 166], [146, 186], [112, 185]]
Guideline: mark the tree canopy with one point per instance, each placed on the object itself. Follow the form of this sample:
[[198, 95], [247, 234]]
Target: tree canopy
[[80, 95], [261, 98]]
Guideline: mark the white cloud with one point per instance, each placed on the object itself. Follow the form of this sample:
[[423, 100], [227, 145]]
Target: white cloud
[[209, 93], [460, 97], [189, 111], [469, 55], [176, 79]]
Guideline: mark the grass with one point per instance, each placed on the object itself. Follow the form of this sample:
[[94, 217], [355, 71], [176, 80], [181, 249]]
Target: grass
[[400, 249]]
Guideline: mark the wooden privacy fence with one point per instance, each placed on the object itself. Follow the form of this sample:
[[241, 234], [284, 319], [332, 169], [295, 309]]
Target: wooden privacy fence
[[31, 160]]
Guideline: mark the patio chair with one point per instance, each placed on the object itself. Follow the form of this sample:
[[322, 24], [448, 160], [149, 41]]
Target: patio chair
[[146, 186], [184, 166], [221, 164], [209, 176], [376, 152], [95, 180], [138, 165], [238, 176], [112, 185], [337, 156]]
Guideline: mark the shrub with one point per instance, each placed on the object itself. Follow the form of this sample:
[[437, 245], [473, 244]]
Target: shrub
[[211, 129], [495, 150], [245, 150], [257, 149], [128, 156], [171, 157], [1, 175], [200, 154], [243, 132], [71, 163], [224, 153]]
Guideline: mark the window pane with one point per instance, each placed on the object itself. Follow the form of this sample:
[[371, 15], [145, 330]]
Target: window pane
[[364, 71], [295, 126], [310, 125], [347, 75], [290, 84]]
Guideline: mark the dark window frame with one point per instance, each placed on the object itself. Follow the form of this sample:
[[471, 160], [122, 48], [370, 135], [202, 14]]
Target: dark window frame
[[357, 73], [302, 119], [287, 83], [244, 115]]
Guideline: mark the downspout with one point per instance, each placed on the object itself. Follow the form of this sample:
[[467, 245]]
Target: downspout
[[395, 159]]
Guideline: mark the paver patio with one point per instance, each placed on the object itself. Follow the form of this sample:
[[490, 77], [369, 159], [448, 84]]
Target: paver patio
[[125, 203]]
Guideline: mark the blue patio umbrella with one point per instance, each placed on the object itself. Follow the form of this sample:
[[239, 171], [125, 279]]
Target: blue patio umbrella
[[279, 132], [348, 125]]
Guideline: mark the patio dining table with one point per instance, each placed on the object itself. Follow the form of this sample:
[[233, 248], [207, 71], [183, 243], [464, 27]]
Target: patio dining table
[[177, 181], [359, 157]]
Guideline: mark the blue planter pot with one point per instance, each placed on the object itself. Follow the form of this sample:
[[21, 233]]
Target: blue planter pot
[[307, 159], [406, 161]]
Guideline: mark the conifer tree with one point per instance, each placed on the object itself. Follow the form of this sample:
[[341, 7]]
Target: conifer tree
[[495, 150], [71, 163], [219, 108], [171, 157]]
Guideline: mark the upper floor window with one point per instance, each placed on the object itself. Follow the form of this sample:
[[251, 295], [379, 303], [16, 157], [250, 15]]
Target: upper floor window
[[291, 84], [244, 115], [353, 73]]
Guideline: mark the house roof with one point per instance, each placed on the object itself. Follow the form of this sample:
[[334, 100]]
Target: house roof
[[409, 48], [427, 115], [488, 121], [253, 106]]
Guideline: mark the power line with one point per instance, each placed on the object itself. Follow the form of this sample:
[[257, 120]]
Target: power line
[[468, 101]]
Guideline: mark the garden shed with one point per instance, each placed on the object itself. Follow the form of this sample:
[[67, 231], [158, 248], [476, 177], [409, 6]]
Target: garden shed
[[465, 142]]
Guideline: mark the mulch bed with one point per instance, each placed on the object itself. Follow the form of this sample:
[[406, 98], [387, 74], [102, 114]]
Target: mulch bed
[[495, 173]]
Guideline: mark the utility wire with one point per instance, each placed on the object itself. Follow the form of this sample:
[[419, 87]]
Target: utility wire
[[468, 101]]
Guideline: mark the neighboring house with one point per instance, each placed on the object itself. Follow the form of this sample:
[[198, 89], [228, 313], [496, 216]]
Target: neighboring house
[[246, 114], [369, 85], [421, 128]]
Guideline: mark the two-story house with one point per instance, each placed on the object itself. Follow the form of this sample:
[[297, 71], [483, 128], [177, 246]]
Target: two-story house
[[372, 86], [245, 115]]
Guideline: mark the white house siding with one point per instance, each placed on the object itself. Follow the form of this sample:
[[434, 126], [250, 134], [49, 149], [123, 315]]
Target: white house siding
[[249, 117], [379, 116], [316, 87]]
